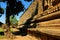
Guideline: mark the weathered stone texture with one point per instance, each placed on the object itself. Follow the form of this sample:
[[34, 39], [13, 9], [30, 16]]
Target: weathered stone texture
[[28, 14], [47, 21]]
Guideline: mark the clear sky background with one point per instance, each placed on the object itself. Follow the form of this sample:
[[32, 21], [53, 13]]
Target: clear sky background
[[3, 5]]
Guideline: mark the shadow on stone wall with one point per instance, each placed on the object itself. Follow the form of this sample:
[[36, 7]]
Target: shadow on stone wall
[[23, 30]]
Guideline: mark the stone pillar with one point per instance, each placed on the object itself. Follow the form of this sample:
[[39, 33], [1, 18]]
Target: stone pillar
[[40, 8], [45, 3], [50, 3]]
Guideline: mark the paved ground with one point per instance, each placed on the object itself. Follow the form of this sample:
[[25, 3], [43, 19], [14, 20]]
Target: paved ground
[[27, 37]]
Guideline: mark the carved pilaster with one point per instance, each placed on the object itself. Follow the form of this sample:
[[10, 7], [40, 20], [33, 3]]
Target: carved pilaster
[[40, 8], [50, 3], [45, 3]]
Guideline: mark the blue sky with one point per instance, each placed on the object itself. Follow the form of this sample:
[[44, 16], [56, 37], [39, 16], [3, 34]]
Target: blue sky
[[3, 5], [2, 18]]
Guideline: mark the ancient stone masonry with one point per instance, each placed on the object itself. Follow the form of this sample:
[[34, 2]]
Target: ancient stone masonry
[[28, 14], [47, 19], [31, 9], [49, 11], [53, 9]]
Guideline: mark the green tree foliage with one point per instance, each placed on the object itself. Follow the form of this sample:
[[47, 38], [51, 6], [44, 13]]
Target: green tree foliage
[[1, 11], [1, 0], [13, 21], [13, 8], [1, 23]]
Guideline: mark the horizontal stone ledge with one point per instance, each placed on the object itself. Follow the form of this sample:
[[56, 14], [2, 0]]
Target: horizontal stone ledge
[[48, 17], [49, 25], [54, 31], [55, 21]]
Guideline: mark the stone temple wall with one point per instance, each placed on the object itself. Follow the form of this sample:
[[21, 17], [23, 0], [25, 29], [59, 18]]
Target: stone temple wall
[[46, 19]]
